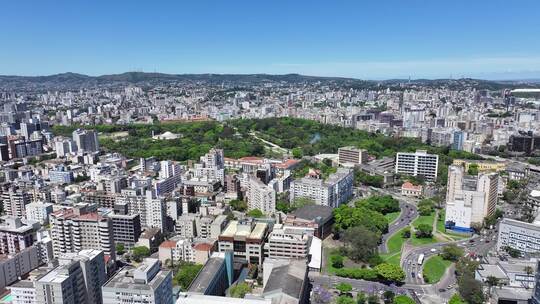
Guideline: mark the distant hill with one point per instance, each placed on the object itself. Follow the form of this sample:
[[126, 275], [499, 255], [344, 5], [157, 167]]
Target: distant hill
[[76, 81]]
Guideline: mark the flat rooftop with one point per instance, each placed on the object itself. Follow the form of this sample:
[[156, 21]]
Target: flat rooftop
[[206, 275], [124, 280]]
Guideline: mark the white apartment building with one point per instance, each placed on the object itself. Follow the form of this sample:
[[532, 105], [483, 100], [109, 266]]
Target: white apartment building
[[522, 236], [469, 199], [260, 196], [352, 155], [288, 242], [72, 232], [418, 163], [17, 234], [14, 201], [39, 212], [336, 190], [23, 292], [145, 284]]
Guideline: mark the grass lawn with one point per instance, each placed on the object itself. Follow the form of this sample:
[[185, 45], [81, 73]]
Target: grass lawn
[[392, 258], [329, 252], [392, 216], [395, 242], [434, 269], [424, 219]]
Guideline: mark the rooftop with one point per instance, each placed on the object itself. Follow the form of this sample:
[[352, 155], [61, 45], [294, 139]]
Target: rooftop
[[206, 275]]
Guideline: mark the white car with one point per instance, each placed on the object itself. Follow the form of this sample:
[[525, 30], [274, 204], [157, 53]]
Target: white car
[[433, 250]]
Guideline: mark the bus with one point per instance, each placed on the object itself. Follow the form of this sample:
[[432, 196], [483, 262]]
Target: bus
[[420, 259]]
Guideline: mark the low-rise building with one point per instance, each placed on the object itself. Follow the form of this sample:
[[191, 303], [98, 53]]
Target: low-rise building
[[518, 235], [409, 189], [245, 239]]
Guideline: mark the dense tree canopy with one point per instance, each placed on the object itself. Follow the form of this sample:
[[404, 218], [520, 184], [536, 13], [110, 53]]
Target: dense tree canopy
[[360, 243], [383, 204], [346, 216]]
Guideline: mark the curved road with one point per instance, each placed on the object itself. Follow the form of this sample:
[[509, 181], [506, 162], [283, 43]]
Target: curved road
[[408, 214]]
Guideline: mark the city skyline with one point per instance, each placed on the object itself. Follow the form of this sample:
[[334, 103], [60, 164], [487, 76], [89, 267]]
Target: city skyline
[[486, 40]]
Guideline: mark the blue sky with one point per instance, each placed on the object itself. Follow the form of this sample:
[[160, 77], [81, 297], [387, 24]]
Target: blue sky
[[491, 39]]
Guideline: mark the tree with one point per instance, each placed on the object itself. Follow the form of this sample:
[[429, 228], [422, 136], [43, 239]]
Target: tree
[[361, 298], [424, 231], [456, 299], [360, 243], [473, 169], [382, 204], [283, 207], [451, 252], [345, 300], [528, 270], [240, 290], [426, 206], [492, 281], [390, 272], [403, 300], [336, 260], [406, 233], [297, 152], [512, 252], [186, 274], [120, 249], [346, 217], [140, 252], [320, 295], [238, 205], [373, 299], [343, 288], [256, 213], [388, 296], [470, 289]]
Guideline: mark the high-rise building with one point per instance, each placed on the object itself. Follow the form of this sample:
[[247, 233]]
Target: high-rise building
[[86, 140], [145, 284], [261, 196], [419, 163], [16, 235], [64, 284], [126, 228], [352, 155], [14, 201], [469, 198], [92, 263], [457, 143], [336, 190], [74, 230]]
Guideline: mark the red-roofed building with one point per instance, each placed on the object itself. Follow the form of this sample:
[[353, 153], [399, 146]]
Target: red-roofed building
[[409, 189], [184, 249]]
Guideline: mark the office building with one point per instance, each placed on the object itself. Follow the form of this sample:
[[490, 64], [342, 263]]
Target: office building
[[521, 236], [86, 140], [245, 239], [469, 198], [316, 217], [352, 155], [126, 229], [287, 283], [145, 284], [419, 163], [260, 196], [336, 190], [458, 138]]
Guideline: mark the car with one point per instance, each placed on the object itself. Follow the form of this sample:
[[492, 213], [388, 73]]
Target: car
[[471, 241], [412, 274], [442, 290], [487, 241], [433, 250]]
